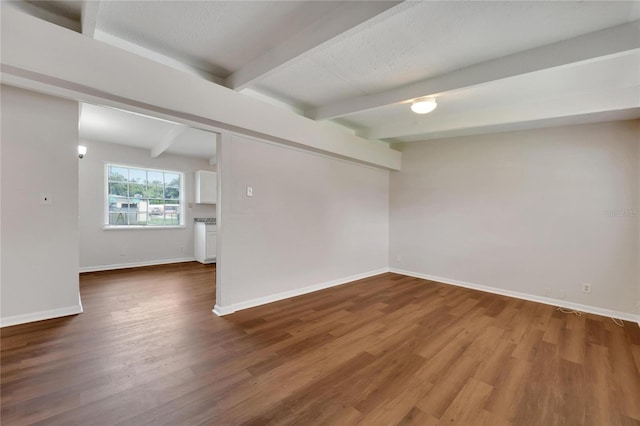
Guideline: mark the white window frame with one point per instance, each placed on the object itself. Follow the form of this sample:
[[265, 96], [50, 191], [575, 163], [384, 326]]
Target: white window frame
[[106, 201]]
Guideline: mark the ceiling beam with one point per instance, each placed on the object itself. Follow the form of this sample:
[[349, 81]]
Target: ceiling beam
[[597, 101], [89, 17], [154, 56], [582, 48], [569, 120], [34, 9], [329, 25], [168, 140], [44, 57]]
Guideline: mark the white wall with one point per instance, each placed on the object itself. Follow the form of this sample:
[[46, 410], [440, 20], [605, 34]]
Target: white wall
[[312, 222], [524, 212], [39, 264], [105, 249]]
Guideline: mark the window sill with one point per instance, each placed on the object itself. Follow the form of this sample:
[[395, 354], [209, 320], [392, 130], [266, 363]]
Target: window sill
[[133, 227]]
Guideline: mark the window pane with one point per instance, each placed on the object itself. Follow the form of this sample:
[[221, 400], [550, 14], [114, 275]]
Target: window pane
[[141, 213], [172, 193], [118, 174], [121, 210], [113, 215], [137, 190], [156, 207], [156, 220], [172, 179], [155, 191], [143, 206], [155, 178], [171, 209], [137, 175], [119, 189], [143, 197], [171, 213]]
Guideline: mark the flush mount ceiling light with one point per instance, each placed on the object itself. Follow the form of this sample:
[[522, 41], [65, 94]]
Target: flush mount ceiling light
[[423, 106]]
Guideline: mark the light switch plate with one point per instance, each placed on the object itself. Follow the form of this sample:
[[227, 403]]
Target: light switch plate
[[249, 191]]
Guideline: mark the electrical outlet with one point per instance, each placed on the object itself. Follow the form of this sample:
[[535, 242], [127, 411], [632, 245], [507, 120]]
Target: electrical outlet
[[547, 292], [398, 258], [586, 288]]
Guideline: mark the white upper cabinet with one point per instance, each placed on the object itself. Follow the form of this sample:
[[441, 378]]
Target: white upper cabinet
[[206, 187]]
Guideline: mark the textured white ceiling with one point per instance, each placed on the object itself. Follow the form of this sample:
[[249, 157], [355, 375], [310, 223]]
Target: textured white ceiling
[[194, 143], [71, 9], [109, 125], [432, 38], [307, 83], [390, 48], [215, 36], [548, 86]]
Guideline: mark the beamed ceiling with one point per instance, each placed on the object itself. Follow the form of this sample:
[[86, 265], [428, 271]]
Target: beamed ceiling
[[492, 66]]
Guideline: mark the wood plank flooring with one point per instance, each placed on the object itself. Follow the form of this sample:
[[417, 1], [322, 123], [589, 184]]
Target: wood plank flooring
[[387, 350]]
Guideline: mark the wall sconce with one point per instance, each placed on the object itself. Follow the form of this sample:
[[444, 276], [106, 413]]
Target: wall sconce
[[82, 150]]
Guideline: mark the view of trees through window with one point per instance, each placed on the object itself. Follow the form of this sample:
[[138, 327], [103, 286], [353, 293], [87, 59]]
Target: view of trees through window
[[143, 196]]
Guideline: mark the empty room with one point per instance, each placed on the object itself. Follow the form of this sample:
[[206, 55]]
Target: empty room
[[320, 212]]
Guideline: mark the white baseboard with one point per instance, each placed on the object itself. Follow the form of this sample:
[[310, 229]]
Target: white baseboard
[[42, 315], [525, 296], [220, 311], [226, 310], [134, 264]]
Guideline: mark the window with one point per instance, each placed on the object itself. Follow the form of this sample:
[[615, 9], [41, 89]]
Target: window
[[143, 197]]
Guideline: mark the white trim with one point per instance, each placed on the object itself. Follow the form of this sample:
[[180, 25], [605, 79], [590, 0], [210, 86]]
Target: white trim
[[524, 296], [41, 315], [97, 268], [220, 311], [138, 227], [225, 310]]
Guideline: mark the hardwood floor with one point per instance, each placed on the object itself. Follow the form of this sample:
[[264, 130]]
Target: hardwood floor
[[382, 351]]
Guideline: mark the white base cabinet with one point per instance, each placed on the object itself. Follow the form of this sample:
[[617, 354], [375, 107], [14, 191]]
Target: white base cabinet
[[205, 242]]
